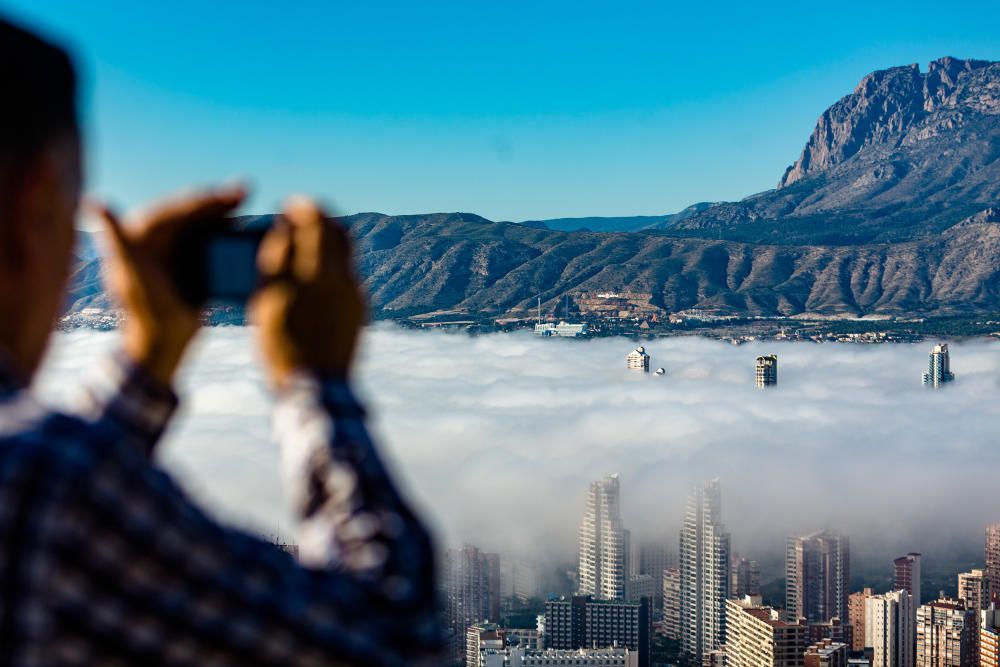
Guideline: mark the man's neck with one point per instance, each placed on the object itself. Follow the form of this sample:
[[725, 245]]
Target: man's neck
[[12, 378]]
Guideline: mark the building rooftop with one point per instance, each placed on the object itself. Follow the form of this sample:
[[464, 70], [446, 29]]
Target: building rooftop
[[825, 647], [947, 603], [751, 605]]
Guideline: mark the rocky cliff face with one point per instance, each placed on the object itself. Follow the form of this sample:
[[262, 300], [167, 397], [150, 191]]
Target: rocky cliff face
[[907, 154], [893, 106]]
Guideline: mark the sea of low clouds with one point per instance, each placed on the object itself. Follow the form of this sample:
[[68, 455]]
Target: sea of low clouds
[[496, 437]]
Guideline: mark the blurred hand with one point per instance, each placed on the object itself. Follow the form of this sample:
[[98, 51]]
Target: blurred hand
[[309, 311], [159, 323]]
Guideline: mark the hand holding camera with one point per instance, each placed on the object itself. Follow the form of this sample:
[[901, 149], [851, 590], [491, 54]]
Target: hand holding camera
[[296, 269], [309, 308]]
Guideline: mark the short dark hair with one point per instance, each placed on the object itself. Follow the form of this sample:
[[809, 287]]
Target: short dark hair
[[38, 83]]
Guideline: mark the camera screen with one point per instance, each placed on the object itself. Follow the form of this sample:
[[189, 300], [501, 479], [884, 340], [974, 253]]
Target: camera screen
[[232, 267]]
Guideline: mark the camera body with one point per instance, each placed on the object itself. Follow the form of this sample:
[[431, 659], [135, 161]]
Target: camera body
[[217, 260]]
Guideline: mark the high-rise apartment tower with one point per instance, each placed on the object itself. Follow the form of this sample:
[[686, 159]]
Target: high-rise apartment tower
[[947, 635], [704, 566], [767, 370], [817, 573], [993, 560], [638, 360], [604, 543], [974, 589], [938, 367], [889, 630], [907, 575]]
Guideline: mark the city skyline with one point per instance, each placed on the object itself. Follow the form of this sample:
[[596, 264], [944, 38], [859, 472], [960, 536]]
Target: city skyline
[[713, 622]]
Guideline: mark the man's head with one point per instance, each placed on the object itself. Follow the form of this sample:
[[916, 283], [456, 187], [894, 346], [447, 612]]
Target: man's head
[[40, 181]]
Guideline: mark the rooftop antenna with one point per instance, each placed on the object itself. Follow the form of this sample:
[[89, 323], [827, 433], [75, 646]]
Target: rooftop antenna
[[539, 308]]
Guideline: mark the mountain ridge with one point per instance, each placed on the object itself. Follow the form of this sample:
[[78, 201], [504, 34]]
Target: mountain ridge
[[890, 209]]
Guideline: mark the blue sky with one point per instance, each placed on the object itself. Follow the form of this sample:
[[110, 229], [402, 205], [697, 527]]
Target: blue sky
[[511, 110]]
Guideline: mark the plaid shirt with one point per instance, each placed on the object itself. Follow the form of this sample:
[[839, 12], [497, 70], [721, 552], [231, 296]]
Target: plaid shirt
[[105, 561]]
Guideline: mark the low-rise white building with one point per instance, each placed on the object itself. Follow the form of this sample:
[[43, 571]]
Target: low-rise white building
[[583, 657], [562, 330]]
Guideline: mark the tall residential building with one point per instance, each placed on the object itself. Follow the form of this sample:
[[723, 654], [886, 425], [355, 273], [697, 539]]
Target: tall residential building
[[672, 603], [889, 631], [583, 622], [938, 367], [974, 589], [638, 360], [947, 635], [757, 637], [827, 653], [527, 579], [471, 584], [654, 558], [989, 637], [856, 617], [704, 566], [817, 572], [744, 577], [767, 370], [907, 575], [604, 543], [642, 586], [993, 560]]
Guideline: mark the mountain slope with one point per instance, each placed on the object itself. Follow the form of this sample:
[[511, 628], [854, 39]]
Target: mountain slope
[[459, 262]]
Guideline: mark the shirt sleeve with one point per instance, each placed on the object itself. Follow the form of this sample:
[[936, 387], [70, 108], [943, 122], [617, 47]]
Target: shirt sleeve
[[125, 398], [140, 572]]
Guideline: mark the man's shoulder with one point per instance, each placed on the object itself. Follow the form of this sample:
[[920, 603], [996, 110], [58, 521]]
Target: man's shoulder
[[30, 430]]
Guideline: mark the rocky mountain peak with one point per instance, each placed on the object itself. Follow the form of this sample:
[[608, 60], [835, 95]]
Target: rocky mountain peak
[[886, 105]]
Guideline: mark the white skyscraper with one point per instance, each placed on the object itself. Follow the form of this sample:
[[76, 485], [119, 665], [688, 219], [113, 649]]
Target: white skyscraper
[[938, 367], [767, 370], [604, 544], [638, 360], [704, 569], [889, 629]]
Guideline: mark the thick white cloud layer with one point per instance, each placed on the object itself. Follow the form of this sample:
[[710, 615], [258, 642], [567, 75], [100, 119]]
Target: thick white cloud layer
[[496, 437]]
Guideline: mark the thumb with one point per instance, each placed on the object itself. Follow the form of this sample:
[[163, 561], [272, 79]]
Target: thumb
[[274, 259], [116, 232]]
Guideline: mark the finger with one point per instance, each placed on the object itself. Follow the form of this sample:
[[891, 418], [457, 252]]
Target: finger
[[274, 258], [181, 211], [325, 233], [116, 232], [310, 236]]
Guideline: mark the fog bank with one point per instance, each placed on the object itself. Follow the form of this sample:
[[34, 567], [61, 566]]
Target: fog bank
[[496, 437]]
